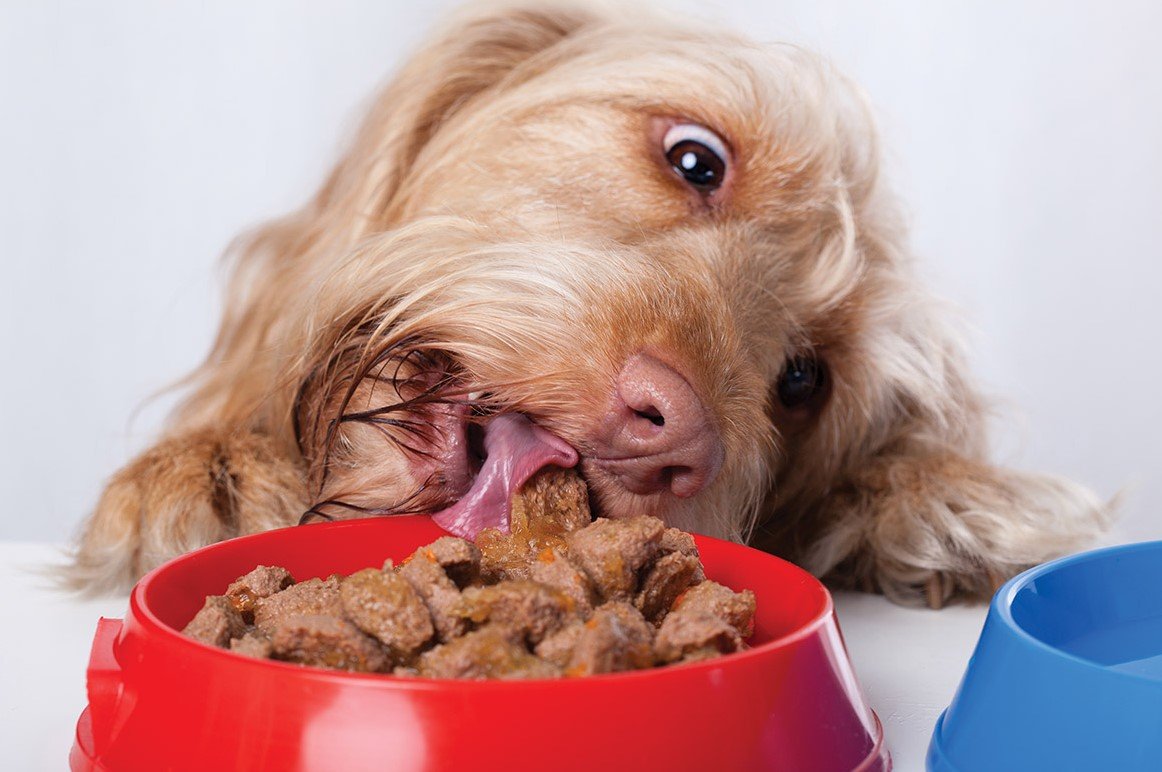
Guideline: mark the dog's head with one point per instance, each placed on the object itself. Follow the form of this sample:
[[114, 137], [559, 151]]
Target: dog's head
[[661, 252]]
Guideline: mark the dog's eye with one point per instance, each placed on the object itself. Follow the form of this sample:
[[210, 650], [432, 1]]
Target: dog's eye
[[697, 154], [801, 382]]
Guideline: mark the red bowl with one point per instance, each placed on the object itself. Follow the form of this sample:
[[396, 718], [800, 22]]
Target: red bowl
[[159, 700]]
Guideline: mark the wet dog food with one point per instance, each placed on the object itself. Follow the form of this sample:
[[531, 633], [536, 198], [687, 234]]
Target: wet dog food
[[557, 596]]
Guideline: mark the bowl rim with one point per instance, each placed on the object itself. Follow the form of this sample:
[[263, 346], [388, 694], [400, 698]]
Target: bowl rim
[[154, 626], [1002, 604]]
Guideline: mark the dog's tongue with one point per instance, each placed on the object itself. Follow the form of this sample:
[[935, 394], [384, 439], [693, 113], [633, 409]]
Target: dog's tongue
[[515, 449]]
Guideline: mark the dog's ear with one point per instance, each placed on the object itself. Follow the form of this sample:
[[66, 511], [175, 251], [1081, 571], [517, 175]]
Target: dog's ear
[[478, 51], [908, 503], [277, 266]]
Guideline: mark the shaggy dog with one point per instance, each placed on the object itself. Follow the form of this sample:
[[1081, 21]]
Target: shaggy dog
[[661, 253]]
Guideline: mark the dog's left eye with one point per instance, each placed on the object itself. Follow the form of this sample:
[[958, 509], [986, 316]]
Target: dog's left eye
[[697, 154]]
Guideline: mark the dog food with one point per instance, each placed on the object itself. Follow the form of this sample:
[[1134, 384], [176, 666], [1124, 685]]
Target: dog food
[[557, 596]]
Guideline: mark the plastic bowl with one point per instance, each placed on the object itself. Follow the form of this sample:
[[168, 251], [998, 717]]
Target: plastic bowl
[[1067, 673], [159, 700]]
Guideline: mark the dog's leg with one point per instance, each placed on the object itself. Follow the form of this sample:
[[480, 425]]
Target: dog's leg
[[181, 494], [929, 530]]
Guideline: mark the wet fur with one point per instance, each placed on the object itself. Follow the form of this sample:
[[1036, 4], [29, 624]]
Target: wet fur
[[502, 226]]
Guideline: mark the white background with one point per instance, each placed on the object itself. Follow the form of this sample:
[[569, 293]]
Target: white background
[[137, 138]]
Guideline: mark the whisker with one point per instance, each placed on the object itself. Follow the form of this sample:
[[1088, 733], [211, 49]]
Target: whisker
[[393, 510]]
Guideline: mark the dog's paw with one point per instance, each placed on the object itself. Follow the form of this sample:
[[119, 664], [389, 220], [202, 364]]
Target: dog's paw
[[922, 586], [181, 494], [933, 531], [942, 588]]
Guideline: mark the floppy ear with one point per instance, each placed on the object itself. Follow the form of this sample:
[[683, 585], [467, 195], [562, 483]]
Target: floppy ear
[[229, 462], [483, 48], [277, 267], [916, 511]]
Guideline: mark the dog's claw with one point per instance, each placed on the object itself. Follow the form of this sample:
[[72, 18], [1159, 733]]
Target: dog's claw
[[935, 590]]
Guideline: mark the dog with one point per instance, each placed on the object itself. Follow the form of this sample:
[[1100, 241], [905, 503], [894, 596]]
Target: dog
[[662, 254]]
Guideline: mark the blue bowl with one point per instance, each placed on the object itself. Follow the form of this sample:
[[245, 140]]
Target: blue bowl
[[1067, 674]]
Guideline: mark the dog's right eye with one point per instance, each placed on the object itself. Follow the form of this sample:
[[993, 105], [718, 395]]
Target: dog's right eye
[[697, 155], [802, 381]]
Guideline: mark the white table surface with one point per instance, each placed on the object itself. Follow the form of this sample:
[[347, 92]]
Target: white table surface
[[909, 661]]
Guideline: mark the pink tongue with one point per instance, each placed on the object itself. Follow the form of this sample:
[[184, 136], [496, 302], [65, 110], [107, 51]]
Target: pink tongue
[[516, 449]]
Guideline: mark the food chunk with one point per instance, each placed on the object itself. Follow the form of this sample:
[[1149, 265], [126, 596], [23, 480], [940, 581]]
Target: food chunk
[[611, 552], [664, 582], [558, 647], [459, 558], [553, 568], [529, 609], [490, 652], [264, 581], [217, 623], [677, 540], [615, 638], [694, 635], [737, 608], [252, 645], [706, 620], [427, 577], [385, 606], [326, 641], [553, 503], [314, 596]]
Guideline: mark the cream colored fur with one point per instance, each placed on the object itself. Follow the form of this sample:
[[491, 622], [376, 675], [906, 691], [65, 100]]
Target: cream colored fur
[[504, 225]]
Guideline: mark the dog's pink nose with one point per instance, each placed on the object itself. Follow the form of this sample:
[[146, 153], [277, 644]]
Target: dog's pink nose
[[659, 434]]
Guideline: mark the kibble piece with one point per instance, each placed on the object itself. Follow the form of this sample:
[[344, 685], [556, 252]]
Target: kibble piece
[[611, 552], [736, 608], [264, 581], [490, 652], [552, 568], [314, 596], [252, 645], [664, 582], [327, 641], [217, 623], [687, 634], [384, 605], [531, 609], [615, 638], [439, 593]]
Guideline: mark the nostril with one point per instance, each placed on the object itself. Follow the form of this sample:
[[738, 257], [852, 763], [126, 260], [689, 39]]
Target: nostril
[[652, 415]]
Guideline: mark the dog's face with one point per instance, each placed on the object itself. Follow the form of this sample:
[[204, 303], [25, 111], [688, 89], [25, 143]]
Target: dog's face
[[649, 244]]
